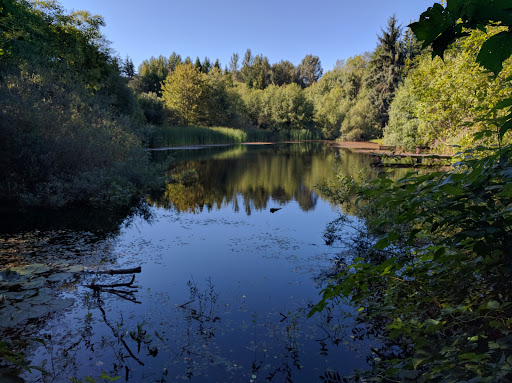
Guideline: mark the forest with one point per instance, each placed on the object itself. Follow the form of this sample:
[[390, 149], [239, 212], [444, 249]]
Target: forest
[[57, 66]]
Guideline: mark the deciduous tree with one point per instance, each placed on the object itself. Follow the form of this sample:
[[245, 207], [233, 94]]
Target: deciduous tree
[[184, 93]]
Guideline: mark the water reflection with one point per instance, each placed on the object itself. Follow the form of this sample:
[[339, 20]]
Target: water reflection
[[248, 177], [223, 294]]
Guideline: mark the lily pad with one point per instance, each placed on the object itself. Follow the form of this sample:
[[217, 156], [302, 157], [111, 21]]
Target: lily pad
[[60, 304], [37, 311], [41, 298], [35, 268], [74, 268], [60, 277], [9, 275], [33, 283], [45, 291], [10, 316], [24, 306], [15, 296]]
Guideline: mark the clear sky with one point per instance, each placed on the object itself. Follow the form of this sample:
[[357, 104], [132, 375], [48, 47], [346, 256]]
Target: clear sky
[[280, 29]]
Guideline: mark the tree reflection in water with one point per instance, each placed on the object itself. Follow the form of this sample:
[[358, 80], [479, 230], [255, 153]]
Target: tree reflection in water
[[291, 173], [208, 330]]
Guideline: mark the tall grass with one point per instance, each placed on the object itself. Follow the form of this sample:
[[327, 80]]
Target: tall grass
[[165, 136]]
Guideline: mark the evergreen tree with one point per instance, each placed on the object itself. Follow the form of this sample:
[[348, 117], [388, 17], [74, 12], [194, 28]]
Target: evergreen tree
[[246, 70], [233, 67], [151, 74], [128, 68], [174, 60], [261, 72], [205, 68], [309, 71], [283, 73], [198, 65], [385, 70]]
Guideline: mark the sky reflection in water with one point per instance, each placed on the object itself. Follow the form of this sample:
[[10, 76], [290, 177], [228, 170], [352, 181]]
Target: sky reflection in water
[[226, 284]]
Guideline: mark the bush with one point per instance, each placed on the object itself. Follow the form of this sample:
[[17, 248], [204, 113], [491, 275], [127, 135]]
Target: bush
[[153, 108], [61, 146]]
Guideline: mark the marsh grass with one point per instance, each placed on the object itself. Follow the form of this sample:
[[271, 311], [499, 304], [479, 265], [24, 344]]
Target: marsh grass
[[193, 135], [165, 136]]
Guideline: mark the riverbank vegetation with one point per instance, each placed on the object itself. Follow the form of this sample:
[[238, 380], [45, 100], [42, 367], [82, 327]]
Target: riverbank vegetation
[[75, 118], [350, 102], [395, 93], [168, 136], [71, 131], [429, 268]]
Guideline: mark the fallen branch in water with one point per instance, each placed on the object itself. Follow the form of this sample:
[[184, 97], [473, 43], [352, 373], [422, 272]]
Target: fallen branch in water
[[96, 286], [115, 272], [111, 288]]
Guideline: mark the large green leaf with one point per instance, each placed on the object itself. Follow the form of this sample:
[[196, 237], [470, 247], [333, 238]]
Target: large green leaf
[[505, 128], [494, 51], [433, 22], [454, 6]]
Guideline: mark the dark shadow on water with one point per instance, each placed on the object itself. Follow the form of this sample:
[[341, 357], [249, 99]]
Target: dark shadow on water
[[101, 222]]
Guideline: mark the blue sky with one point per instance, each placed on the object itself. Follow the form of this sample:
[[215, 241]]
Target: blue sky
[[280, 29]]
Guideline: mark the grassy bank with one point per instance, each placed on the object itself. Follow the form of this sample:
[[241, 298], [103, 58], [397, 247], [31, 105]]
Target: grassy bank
[[165, 136]]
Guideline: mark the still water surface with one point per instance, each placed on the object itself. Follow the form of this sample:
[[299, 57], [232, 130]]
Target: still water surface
[[226, 280]]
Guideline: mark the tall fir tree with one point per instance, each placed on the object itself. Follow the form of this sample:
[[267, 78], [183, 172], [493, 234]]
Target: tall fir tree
[[384, 73], [198, 65]]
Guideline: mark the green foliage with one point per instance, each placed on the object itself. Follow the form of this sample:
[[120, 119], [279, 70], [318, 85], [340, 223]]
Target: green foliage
[[451, 98], [255, 71], [153, 72], [334, 96], [361, 121], [283, 73], [152, 107], [402, 129], [70, 128], [440, 26], [368, 83], [185, 93], [309, 70], [430, 272], [284, 108], [9, 354], [436, 274], [384, 72], [166, 136]]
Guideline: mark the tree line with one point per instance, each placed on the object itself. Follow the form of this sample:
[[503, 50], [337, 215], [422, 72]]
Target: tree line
[[395, 92], [349, 102]]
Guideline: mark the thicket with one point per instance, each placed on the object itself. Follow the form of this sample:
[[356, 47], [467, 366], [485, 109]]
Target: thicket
[[443, 102], [428, 267], [350, 102], [71, 131]]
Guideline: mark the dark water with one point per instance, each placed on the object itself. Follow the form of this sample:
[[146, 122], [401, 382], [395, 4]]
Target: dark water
[[226, 281]]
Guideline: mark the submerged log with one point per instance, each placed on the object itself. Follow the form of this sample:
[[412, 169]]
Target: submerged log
[[113, 288], [116, 272], [96, 286]]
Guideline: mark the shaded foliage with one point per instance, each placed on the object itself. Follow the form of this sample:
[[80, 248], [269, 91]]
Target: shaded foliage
[[71, 130], [430, 270]]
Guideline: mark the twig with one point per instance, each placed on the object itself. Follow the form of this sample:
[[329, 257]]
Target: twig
[[113, 272]]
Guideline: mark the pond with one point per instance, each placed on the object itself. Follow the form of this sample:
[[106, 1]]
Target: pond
[[231, 257]]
